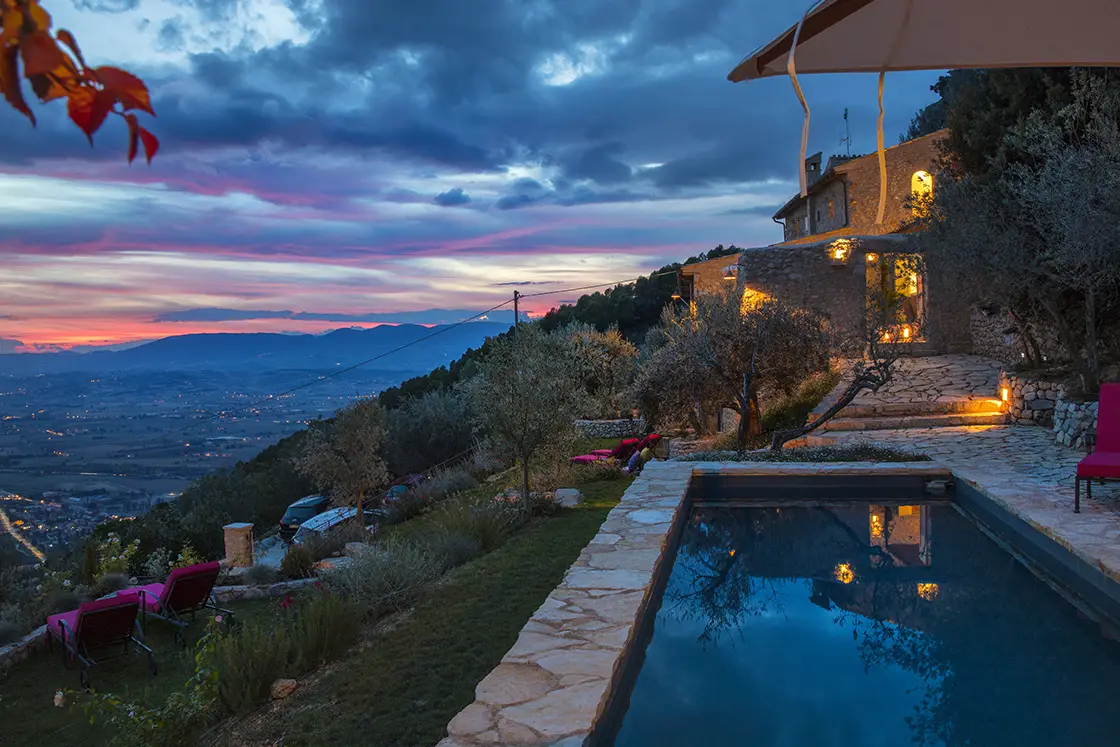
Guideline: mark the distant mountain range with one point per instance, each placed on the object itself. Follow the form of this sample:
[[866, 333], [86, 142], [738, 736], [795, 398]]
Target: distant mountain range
[[262, 350]]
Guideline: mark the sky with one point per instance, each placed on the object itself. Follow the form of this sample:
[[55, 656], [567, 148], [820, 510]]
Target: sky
[[334, 162]]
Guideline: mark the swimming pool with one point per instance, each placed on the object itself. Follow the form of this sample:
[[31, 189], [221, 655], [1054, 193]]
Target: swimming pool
[[874, 623]]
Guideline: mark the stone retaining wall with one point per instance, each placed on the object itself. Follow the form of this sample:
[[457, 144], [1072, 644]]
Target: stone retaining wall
[[16, 652], [623, 428], [680, 446], [1029, 402], [1073, 421]]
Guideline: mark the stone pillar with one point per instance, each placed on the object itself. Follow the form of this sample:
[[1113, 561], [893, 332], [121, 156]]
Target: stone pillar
[[239, 544]]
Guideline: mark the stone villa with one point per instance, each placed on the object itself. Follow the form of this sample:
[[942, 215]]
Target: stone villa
[[834, 251]]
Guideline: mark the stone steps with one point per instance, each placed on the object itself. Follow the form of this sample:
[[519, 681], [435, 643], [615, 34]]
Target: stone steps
[[941, 420], [940, 406]]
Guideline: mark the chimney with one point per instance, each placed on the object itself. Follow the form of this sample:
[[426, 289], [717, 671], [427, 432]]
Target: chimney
[[812, 168]]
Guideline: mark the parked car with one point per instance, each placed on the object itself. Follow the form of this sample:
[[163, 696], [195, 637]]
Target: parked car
[[300, 511]]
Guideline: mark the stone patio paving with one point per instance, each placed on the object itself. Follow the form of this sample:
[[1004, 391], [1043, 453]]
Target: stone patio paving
[[929, 378]]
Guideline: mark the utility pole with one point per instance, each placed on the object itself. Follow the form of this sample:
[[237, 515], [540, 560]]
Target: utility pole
[[517, 343], [846, 141], [516, 316]]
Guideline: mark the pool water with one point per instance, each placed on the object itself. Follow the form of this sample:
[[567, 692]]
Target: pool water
[[859, 625]]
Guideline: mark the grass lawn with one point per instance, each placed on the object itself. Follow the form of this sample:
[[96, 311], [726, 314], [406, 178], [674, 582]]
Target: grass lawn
[[27, 711], [403, 687]]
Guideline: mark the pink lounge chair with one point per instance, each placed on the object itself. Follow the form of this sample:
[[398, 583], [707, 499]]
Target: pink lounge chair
[[186, 590], [96, 626], [625, 449], [1103, 463]]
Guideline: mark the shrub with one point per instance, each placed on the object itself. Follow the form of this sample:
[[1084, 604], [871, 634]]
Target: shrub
[[489, 522], [188, 556], [9, 632], [310, 629], [109, 583], [388, 577], [114, 556], [60, 600], [297, 563], [451, 550], [858, 452], [260, 575], [157, 563], [446, 483]]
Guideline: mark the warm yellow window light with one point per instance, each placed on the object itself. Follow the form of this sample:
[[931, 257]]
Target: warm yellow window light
[[872, 258], [1005, 394], [906, 333], [886, 337], [929, 592], [839, 251], [844, 573]]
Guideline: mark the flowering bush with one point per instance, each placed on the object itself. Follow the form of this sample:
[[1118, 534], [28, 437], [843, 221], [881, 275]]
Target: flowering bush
[[157, 564], [187, 556], [113, 556]]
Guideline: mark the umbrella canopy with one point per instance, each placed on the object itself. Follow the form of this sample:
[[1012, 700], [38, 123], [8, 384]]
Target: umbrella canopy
[[861, 36], [880, 36]]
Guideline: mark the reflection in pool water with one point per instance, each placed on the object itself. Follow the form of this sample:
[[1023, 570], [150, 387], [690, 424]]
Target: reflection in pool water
[[865, 626]]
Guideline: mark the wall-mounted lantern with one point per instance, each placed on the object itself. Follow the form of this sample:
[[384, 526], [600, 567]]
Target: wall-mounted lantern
[[731, 272], [871, 258], [840, 251]]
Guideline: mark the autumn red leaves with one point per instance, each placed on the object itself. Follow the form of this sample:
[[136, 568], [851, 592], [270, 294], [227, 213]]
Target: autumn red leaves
[[54, 67]]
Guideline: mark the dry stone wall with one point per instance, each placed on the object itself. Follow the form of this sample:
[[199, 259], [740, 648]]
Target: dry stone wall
[[1030, 402], [624, 428], [1073, 421]]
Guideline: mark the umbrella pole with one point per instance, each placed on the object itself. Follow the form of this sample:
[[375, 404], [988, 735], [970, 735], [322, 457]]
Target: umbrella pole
[[791, 69]]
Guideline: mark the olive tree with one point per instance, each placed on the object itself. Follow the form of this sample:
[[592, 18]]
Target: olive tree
[[1038, 235], [607, 363], [730, 347], [884, 312], [527, 395], [343, 455]]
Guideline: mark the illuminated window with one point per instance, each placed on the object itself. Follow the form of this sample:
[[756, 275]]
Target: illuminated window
[[921, 191]]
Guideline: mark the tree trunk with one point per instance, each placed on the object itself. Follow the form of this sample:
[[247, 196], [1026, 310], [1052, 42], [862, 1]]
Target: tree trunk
[[1092, 352], [1064, 331], [781, 437], [525, 486], [1031, 350]]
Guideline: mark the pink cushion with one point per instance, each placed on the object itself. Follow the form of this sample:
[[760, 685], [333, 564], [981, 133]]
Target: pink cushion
[[54, 622], [72, 618], [587, 459], [1108, 418], [603, 452], [151, 596], [1104, 464]]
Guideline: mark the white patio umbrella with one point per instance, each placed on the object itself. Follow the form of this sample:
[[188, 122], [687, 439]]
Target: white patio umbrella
[[880, 36]]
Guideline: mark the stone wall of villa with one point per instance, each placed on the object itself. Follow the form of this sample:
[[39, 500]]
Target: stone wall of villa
[[1073, 421], [992, 334], [805, 275], [1028, 401], [624, 428]]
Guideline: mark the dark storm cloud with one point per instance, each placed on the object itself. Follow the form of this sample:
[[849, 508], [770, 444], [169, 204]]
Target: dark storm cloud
[[452, 197], [448, 86], [599, 164], [171, 35]]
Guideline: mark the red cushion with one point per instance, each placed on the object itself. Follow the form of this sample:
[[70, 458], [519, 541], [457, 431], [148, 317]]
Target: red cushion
[[587, 459], [625, 446], [73, 617], [1100, 464], [603, 452]]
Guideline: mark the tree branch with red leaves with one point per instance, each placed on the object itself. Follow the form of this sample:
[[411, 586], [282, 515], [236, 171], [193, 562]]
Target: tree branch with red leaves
[[54, 66]]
